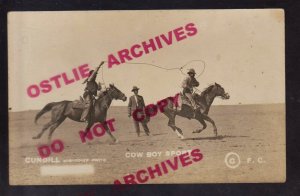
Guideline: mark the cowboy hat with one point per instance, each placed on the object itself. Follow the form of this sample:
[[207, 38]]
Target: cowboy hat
[[135, 88], [191, 71]]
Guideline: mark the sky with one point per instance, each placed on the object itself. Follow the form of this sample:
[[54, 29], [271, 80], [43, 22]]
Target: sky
[[243, 51]]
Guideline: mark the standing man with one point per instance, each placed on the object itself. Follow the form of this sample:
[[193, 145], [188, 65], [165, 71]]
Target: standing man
[[89, 94], [137, 102], [188, 84]]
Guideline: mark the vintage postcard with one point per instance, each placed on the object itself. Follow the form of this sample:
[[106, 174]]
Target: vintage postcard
[[146, 97]]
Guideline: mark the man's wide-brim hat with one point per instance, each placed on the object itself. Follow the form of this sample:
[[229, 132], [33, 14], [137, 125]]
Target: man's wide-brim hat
[[191, 71], [135, 88]]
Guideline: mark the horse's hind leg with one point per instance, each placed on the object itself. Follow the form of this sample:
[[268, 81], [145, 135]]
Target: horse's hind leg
[[176, 129], [207, 118], [180, 132], [46, 126], [57, 117], [53, 127]]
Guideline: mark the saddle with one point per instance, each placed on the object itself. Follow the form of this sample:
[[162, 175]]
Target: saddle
[[183, 102], [78, 104]]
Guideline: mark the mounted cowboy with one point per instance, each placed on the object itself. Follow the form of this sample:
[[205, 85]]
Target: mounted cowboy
[[90, 92], [188, 84]]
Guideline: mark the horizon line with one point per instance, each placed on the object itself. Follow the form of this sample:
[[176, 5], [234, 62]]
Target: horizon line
[[246, 104]]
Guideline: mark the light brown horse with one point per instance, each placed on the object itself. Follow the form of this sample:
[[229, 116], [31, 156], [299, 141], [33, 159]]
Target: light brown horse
[[64, 109], [204, 100]]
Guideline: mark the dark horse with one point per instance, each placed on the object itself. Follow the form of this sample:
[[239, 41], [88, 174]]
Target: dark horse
[[64, 109], [204, 100]]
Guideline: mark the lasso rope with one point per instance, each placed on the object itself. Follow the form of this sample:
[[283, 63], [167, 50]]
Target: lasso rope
[[103, 78], [161, 67]]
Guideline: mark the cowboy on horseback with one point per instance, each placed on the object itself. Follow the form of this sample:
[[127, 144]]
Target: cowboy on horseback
[[90, 93], [188, 84]]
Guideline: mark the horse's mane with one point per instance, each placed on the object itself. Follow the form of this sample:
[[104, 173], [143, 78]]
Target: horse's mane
[[207, 89], [105, 92]]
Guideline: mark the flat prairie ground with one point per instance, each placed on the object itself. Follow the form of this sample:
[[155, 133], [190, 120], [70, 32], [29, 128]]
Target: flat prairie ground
[[255, 132]]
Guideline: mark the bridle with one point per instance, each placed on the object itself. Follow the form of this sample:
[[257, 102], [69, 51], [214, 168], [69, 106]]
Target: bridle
[[109, 91]]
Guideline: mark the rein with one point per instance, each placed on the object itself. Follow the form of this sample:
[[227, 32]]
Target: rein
[[109, 95]]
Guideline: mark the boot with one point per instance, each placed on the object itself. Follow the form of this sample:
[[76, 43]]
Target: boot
[[196, 108]]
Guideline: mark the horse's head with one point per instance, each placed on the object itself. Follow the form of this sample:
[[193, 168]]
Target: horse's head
[[219, 91], [115, 93]]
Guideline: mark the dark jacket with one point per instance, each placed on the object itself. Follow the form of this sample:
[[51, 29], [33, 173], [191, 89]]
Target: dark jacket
[[91, 88], [133, 105], [188, 84]]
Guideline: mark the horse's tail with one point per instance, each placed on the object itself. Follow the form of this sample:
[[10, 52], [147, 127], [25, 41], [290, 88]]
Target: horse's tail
[[47, 108]]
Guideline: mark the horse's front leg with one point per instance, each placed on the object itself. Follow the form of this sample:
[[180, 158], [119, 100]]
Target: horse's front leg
[[207, 118], [109, 133], [87, 128], [203, 124]]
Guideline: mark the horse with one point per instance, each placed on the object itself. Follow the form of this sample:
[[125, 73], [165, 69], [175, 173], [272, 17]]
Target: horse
[[205, 100], [64, 109]]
